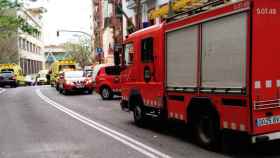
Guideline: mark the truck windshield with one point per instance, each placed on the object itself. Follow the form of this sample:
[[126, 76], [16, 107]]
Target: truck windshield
[[66, 67], [76, 74], [129, 53], [7, 74]]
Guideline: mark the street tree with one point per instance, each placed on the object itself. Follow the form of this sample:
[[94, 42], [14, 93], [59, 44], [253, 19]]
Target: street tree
[[8, 50], [10, 25], [80, 51]]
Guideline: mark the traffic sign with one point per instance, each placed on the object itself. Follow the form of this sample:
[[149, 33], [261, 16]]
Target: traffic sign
[[99, 50]]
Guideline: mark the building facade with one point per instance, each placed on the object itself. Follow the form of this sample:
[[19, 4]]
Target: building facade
[[107, 28], [54, 53], [30, 46]]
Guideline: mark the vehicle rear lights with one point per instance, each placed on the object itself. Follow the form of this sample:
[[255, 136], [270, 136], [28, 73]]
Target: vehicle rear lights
[[69, 83], [89, 81]]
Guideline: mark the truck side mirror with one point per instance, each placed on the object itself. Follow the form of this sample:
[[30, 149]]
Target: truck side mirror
[[117, 59]]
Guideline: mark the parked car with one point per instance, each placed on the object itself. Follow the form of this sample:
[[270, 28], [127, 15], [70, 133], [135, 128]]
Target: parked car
[[74, 81], [8, 78], [58, 67], [17, 71], [41, 78], [29, 80], [96, 70], [88, 70], [107, 82]]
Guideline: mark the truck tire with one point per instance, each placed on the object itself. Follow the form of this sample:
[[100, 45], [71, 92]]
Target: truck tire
[[106, 93], [13, 85], [60, 90], [57, 87], [139, 115], [64, 92], [206, 129]]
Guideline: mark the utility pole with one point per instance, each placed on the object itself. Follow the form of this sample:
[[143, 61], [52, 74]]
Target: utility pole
[[138, 14], [98, 29], [130, 23], [117, 30]]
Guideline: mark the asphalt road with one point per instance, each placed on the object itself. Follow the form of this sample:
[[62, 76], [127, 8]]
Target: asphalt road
[[38, 122]]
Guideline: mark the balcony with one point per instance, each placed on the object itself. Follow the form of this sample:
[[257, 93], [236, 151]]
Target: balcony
[[131, 4]]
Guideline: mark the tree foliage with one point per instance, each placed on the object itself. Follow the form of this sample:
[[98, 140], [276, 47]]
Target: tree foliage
[[8, 50], [80, 52], [10, 22]]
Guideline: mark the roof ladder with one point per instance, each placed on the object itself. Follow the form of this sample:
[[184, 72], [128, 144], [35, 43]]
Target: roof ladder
[[196, 10]]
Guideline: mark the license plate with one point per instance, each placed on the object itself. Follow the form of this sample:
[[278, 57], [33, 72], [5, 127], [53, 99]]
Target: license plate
[[80, 86], [267, 121]]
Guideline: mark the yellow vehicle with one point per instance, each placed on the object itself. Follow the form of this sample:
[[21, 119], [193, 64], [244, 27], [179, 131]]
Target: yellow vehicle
[[60, 66], [16, 69]]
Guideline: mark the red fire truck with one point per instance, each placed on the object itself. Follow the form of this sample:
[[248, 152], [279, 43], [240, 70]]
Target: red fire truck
[[216, 67]]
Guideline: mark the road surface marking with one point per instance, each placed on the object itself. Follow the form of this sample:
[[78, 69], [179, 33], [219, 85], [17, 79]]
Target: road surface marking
[[2, 90], [140, 147]]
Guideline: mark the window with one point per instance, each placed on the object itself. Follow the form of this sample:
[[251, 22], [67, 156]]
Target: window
[[147, 50], [129, 53], [66, 67], [74, 74], [31, 47], [19, 42], [113, 70], [28, 46], [24, 44]]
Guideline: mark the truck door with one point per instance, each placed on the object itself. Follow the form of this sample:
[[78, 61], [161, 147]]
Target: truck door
[[147, 59], [150, 76], [128, 75]]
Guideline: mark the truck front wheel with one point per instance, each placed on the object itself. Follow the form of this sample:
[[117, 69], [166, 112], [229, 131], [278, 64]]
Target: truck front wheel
[[138, 115], [57, 87]]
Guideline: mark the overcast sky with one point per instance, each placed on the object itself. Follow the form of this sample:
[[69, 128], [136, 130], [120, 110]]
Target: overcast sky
[[68, 15]]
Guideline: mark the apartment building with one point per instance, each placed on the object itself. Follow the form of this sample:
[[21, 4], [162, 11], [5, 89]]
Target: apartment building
[[107, 26], [54, 53], [30, 46]]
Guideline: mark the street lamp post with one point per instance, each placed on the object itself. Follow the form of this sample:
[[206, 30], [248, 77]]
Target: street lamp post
[[82, 32], [76, 31]]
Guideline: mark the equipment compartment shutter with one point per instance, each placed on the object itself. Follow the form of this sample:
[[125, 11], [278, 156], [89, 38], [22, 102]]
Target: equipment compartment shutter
[[181, 53], [224, 52]]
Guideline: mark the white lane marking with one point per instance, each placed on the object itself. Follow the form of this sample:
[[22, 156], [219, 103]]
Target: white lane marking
[[142, 148], [2, 90]]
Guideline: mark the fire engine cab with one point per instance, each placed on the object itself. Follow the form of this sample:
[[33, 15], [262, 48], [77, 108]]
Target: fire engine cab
[[215, 67]]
